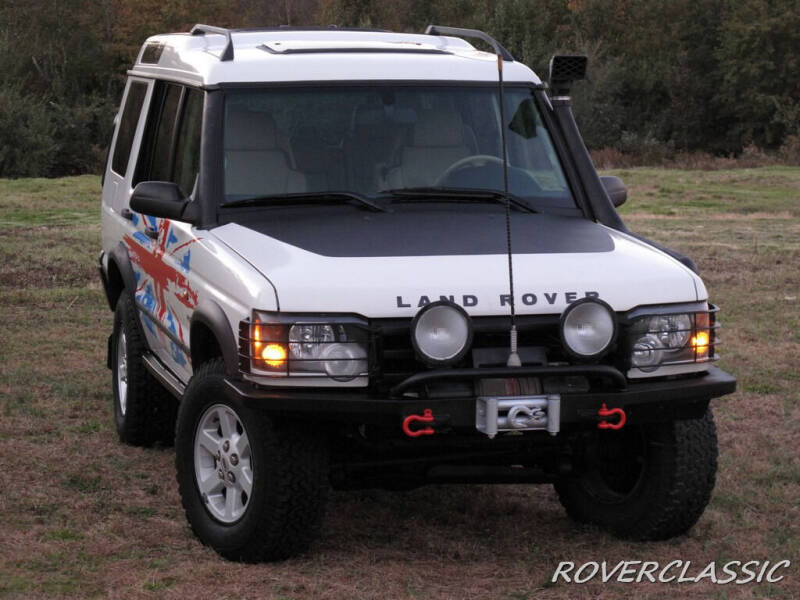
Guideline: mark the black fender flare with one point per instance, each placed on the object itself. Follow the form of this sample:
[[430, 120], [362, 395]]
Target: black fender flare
[[211, 315], [122, 260], [681, 258]]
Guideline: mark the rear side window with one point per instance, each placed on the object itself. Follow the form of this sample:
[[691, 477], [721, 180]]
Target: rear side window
[[127, 126], [187, 152]]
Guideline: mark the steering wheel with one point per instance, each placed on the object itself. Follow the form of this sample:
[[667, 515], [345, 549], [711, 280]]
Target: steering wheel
[[475, 161]]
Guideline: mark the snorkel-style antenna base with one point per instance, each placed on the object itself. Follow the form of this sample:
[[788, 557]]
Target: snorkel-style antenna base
[[513, 357]]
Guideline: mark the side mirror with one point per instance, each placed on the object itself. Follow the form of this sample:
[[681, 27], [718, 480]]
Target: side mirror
[[615, 188], [162, 199]]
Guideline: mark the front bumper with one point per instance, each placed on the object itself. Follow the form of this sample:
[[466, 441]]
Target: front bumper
[[643, 402]]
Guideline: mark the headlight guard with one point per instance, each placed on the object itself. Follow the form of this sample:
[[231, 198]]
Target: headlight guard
[[667, 340], [302, 345]]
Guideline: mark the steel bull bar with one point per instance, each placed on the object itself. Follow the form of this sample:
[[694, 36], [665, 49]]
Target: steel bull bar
[[611, 405]]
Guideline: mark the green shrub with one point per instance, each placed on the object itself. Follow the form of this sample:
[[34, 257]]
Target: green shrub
[[81, 134], [27, 147]]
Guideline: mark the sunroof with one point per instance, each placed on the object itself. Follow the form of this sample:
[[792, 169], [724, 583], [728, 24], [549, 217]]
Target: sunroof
[[314, 47], [152, 52]]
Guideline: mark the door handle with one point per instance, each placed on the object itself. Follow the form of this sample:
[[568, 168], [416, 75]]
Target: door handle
[[151, 232], [127, 214]]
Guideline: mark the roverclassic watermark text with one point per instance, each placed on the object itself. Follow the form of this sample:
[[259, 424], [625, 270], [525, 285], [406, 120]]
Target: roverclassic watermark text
[[678, 571]]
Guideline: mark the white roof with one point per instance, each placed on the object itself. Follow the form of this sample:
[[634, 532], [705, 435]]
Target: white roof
[[324, 55]]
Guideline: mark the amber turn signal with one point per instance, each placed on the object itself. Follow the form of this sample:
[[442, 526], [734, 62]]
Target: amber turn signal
[[274, 355]]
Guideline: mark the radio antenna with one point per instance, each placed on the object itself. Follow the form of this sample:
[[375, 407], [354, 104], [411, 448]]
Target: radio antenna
[[502, 55], [513, 356]]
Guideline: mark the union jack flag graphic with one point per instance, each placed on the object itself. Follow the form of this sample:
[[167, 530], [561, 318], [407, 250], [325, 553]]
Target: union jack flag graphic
[[159, 285]]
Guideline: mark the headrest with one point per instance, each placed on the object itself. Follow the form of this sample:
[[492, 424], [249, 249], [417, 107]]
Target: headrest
[[368, 118], [250, 130], [436, 128]]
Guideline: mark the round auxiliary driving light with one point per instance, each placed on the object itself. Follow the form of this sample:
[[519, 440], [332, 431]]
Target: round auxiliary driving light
[[441, 333], [588, 328]]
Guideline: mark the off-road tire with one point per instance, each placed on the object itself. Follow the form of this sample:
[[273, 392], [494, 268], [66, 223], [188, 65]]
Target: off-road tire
[[679, 464], [150, 410], [290, 477]]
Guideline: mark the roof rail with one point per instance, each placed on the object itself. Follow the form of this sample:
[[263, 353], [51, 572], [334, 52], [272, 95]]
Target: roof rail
[[227, 53], [471, 33]]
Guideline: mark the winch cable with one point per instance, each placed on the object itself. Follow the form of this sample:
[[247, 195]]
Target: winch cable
[[513, 356]]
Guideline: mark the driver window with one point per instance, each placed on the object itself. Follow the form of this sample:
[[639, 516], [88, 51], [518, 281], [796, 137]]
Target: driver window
[[155, 158]]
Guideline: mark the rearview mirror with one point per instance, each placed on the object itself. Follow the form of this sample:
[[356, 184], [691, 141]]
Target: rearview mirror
[[615, 188], [162, 199]]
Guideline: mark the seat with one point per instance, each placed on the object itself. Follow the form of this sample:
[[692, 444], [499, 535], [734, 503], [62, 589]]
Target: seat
[[369, 146], [254, 163], [321, 163], [439, 139]]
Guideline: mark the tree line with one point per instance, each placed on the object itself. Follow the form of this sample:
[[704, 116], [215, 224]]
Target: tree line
[[713, 76]]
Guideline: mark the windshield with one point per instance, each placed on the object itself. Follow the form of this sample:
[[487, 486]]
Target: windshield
[[380, 140]]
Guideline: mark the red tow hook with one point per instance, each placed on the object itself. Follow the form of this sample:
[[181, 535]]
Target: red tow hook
[[425, 417], [604, 411]]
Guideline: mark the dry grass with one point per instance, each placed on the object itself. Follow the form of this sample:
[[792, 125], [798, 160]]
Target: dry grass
[[662, 155], [83, 515]]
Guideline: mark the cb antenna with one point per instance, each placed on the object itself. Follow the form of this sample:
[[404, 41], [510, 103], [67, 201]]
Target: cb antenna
[[513, 356], [502, 55]]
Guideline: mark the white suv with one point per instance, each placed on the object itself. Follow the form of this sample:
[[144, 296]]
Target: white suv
[[362, 258]]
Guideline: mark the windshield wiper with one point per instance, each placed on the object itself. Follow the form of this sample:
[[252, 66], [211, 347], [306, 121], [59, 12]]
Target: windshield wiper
[[455, 194], [301, 197]]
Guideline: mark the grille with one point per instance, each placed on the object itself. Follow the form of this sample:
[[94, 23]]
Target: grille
[[396, 360]]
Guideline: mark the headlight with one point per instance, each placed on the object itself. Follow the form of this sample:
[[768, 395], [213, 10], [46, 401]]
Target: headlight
[[647, 352], [588, 328], [670, 343], [441, 333], [327, 348], [673, 331], [303, 345]]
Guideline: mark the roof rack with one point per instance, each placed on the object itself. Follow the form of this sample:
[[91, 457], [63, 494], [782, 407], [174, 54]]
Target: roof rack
[[227, 53], [471, 33]]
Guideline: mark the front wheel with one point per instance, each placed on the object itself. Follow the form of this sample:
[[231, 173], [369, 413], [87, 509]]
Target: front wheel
[[252, 489], [650, 482]]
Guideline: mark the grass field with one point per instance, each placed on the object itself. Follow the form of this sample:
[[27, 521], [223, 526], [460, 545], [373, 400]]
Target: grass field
[[82, 515]]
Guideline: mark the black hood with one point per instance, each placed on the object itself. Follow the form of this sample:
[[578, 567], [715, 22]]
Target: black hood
[[453, 230]]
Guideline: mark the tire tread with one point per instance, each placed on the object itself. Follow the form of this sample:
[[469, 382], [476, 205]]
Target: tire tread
[[151, 410], [682, 484], [297, 469]]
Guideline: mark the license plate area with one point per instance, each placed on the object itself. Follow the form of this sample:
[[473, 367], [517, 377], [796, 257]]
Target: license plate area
[[497, 414]]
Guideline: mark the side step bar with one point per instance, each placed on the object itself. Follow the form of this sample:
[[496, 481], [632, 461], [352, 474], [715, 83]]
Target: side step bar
[[164, 377]]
